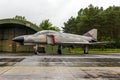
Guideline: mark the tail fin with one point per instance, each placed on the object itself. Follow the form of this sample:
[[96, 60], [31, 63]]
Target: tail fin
[[92, 33]]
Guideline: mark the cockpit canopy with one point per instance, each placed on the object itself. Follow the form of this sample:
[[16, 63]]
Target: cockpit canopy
[[44, 32]]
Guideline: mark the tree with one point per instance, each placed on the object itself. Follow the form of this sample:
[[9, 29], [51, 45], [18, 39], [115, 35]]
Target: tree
[[112, 23], [106, 21], [20, 18], [70, 26], [54, 28], [46, 25], [87, 19]]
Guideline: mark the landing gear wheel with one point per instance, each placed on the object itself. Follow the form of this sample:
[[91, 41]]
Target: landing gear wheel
[[35, 53]]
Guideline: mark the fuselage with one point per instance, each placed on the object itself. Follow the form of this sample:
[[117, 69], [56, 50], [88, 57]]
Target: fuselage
[[53, 37]]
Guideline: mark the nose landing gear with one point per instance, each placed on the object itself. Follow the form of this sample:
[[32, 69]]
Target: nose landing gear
[[39, 49]]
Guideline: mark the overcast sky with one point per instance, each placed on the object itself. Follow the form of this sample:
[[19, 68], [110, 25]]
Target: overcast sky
[[57, 11]]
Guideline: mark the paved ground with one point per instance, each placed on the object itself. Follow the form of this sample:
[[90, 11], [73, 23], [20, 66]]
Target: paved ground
[[60, 67]]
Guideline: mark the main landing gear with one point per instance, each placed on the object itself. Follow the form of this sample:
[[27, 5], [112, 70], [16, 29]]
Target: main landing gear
[[86, 49], [59, 49]]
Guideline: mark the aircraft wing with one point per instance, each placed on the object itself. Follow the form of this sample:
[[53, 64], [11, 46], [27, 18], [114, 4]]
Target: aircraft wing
[[83, 43], [100, 43]]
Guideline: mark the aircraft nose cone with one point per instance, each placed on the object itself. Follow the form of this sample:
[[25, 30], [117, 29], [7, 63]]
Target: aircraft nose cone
[[18, 39]]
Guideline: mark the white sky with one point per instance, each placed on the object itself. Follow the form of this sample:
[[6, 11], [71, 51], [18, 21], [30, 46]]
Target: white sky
[[57, 11]]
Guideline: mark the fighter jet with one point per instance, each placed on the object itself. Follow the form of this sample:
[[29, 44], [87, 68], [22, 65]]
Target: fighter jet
[[50, 37]]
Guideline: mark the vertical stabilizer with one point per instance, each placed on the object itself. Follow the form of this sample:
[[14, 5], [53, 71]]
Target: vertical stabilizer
[[92, 33]]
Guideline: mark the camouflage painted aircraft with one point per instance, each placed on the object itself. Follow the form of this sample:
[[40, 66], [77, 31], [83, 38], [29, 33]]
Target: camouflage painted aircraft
[[61, 39]]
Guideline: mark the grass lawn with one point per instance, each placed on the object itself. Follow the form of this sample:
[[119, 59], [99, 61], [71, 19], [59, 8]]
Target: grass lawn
[[53, 50], [106, 50]]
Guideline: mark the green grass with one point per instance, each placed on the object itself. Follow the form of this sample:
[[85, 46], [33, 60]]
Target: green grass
[[53, 50], [107, 50]]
